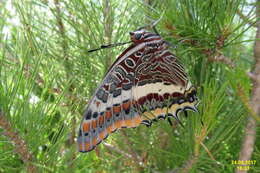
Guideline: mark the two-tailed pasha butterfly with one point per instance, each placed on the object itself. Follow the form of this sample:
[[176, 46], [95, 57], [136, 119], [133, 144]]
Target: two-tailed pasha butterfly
[[145, 83]]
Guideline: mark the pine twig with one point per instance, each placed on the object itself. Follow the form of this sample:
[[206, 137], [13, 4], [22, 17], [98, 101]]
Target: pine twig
[[221, 58], [68, 68], [108, 29], [20, 146], [207, 150], [135, 156], [137, 159], [199, 137], [245, 18], [189, 163], [61, 27], [246, 103], [113, 148]]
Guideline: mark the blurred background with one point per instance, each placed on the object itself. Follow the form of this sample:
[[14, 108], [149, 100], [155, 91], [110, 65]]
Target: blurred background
[[47, 77]]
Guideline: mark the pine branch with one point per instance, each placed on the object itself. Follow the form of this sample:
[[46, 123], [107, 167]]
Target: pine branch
[[250, 130], [213, 55], [20, 145]]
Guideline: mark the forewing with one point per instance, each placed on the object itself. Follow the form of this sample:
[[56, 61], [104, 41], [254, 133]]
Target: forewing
[[112, 106]]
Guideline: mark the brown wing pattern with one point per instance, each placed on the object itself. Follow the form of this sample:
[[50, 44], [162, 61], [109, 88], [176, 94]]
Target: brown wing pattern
[[146, 82]]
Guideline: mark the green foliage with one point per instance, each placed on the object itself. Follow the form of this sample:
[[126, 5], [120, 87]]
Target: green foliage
[[47, 77]]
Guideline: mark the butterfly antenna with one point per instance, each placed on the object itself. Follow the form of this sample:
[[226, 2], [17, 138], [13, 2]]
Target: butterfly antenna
[[109, 46], [155, 30], [152, 25]]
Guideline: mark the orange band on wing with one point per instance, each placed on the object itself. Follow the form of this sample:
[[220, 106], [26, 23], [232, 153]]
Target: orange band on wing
[[87, 146], [94, 141], [128, 122], [113, 127], [109, 129], [126, 105], [86, 127], [100, 120], [117, 109], [122, 123], [94, 124], [108, 115], [136, 121], [158, 111], [102, 135], [80, 147], [118, 124]]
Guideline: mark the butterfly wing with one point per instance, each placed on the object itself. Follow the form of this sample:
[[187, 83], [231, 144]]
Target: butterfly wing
[[162, 87], [111, 107], [146, 82]]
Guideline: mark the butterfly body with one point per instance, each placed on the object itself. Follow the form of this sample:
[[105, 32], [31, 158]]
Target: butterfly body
[[145, 83]]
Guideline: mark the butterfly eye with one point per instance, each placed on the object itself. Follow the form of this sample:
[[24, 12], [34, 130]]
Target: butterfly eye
[[138, 36]]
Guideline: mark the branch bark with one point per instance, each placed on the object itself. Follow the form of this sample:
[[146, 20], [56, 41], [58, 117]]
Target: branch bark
[[250, 130], [20, 146]]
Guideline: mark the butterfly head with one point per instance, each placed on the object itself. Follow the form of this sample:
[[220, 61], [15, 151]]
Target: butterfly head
[[141, 36]]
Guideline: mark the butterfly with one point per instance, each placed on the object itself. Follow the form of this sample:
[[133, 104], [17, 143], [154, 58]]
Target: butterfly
[[145, 83]]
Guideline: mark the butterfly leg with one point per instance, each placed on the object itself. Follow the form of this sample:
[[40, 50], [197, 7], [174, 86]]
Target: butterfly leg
[[170, 122], [152, 25], [195, 110], [185, 113], [155, 30], [201, 122], [178, 120]]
